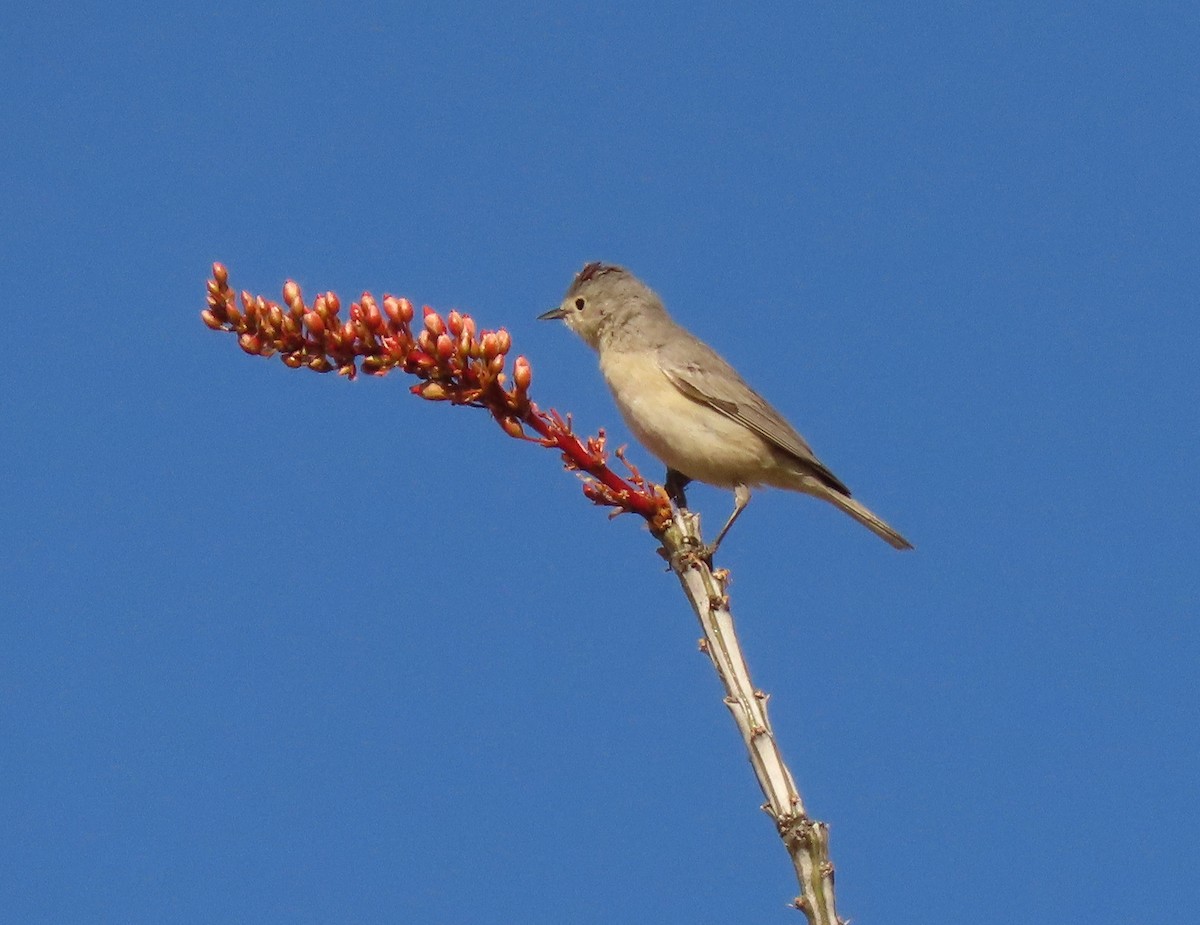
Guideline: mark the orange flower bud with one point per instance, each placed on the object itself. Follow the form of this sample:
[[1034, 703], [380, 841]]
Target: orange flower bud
[[210, 319], [220, 274], [433, 322], [454, 322], [370, 312], [315, 323], [512, 427], [292, 360], [522, 373], [503, 341], [433, 391], [491, 346], [445, 346], [250, 343], [291, 293]]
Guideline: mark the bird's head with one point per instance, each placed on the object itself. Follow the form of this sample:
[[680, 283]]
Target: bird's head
[[602, 300]]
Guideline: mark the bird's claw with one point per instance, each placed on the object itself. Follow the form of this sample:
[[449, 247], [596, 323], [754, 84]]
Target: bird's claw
[[690, 553]]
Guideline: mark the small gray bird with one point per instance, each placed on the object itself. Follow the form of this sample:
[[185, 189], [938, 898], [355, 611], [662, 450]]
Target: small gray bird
[[688, 406]]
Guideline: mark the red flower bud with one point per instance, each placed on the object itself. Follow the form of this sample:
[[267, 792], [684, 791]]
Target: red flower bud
[[454, 322], [445, 346], [418, 360], [315, 322]]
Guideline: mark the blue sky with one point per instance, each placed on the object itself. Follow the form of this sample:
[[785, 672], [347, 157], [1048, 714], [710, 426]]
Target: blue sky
[[280, 648]]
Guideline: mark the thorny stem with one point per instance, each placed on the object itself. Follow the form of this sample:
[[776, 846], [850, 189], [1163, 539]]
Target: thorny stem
[[457, 363], [806, 839]]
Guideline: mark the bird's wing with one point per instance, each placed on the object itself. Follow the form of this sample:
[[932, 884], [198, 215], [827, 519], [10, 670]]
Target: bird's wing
[[703, 376]]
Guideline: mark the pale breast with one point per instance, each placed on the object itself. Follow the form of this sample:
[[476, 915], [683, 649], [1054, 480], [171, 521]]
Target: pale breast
[[688, 436]]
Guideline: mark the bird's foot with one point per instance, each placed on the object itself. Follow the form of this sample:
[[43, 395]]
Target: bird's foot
[[689, 554]]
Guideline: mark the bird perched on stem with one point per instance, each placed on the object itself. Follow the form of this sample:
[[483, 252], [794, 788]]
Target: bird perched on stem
[[688, 406]]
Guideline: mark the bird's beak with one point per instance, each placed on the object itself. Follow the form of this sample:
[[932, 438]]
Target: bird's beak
[[553, 315]]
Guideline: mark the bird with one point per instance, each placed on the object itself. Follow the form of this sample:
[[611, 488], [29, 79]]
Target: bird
[[689, 407]]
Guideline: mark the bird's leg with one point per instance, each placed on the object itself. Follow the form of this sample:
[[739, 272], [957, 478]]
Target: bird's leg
[[675, 484], [741, 497]]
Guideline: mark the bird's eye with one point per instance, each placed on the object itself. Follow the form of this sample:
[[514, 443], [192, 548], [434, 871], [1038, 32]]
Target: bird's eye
[[579, 304]]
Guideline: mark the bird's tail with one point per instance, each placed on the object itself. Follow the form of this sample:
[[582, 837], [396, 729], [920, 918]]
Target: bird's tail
[[864, 516]]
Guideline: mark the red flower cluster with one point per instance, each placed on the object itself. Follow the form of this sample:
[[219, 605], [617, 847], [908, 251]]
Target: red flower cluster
[[454, 361]]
